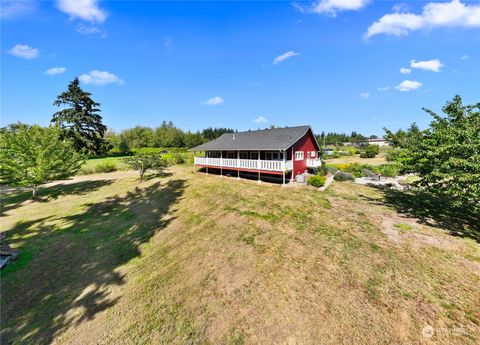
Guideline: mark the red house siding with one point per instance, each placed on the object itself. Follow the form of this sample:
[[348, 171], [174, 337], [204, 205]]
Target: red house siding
[[306, 144]]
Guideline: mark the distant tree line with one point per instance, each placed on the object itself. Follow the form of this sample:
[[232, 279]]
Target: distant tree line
[[166, 135], [333, 138]]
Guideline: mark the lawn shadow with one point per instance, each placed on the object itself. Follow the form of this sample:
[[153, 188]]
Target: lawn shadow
[[67, 273], [430, 210], [13, 200]]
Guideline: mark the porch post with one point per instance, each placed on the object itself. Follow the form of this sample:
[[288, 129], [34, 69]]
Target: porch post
[[206, 160], [238, 165], [194, 166], [221, 163], [284, 167], [258, 167]]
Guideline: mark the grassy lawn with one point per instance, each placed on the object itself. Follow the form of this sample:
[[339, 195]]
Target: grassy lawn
[[91, 164], [202, 259]]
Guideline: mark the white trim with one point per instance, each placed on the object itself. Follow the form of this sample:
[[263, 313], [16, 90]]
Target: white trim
[[299, 155]]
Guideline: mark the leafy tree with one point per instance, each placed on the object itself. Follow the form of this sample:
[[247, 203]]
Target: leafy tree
[[146, 161], [80, 120], [138, 137], [447, 155], [33, 155], [370, 152]]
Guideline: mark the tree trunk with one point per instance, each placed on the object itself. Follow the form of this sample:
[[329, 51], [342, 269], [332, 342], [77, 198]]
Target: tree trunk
[[34, 192]]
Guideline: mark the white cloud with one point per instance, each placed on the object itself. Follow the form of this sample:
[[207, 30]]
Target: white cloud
[[331, 7], [430, 65], [24, 51], [384, 88], [91, 30], [408, 85], [214, 101], [83, 9], [14, 8], [465, 57], [365, 94], [434, 15], [260, 119], [96, 77], [55, 71], [284, 57], [400, 7], [405, 70]]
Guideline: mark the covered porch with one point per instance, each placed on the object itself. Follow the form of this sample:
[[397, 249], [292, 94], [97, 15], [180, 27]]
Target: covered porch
[[275, 162]]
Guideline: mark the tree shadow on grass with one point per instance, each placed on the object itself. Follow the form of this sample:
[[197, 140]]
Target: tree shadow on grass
[[67, 272], [13, 200], [431, 210]]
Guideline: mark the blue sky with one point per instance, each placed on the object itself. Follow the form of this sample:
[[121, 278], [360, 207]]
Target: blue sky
[[333, 64]]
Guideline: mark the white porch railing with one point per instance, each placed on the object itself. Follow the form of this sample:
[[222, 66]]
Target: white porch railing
[[253, 164]]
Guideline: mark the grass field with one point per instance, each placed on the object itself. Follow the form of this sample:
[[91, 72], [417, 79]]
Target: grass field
[[379, 159], [90, 164], [202, 259]]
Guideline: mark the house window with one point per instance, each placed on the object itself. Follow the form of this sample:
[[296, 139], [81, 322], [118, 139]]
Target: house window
[[243, 155], [231, 154], [312, 154], [298, 155], [273, 156], [253, 155]]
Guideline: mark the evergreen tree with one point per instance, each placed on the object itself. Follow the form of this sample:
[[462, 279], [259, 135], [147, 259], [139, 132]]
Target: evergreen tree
[[80, 120]]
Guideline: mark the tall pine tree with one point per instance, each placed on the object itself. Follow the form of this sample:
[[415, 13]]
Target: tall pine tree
[[80, 119]]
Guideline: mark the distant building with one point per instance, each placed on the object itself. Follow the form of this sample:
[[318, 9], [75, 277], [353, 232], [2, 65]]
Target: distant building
[[378, 142]]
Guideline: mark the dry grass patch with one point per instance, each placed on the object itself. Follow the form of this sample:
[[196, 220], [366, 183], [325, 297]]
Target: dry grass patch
[[211, 260]]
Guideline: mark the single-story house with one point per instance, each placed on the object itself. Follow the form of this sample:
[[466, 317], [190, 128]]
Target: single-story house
[[287, 151]]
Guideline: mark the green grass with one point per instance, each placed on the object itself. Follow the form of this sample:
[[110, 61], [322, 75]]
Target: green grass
[[90, 165], [202, 259]]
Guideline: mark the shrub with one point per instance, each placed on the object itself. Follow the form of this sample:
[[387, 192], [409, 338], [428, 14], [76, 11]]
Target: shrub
[[393, 155], [370, 152], [325, 170], [343, 176], [389, 170], [105, 167], [317, 180], [116, 152], [177, 158]]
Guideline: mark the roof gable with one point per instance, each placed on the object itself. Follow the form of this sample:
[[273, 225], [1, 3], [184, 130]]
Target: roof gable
[[266, 139]]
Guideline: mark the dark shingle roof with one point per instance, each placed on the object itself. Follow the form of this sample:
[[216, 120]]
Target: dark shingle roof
[[266, 139]]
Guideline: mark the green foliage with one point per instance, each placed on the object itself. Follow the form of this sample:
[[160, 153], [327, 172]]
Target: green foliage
[[105, 167], [213, 133], [33, 155], [80, 120], [326, 169], [317, 180], [370, 152], [388, 170], [339, 138], [400, 138], [343, 176], [177, 158], [136, 137], [393, 154], [447, 155], [142, 162]]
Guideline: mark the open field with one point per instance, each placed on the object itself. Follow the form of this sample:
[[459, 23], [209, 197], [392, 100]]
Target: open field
[[379, 159], [202, 259], [90, 164]]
